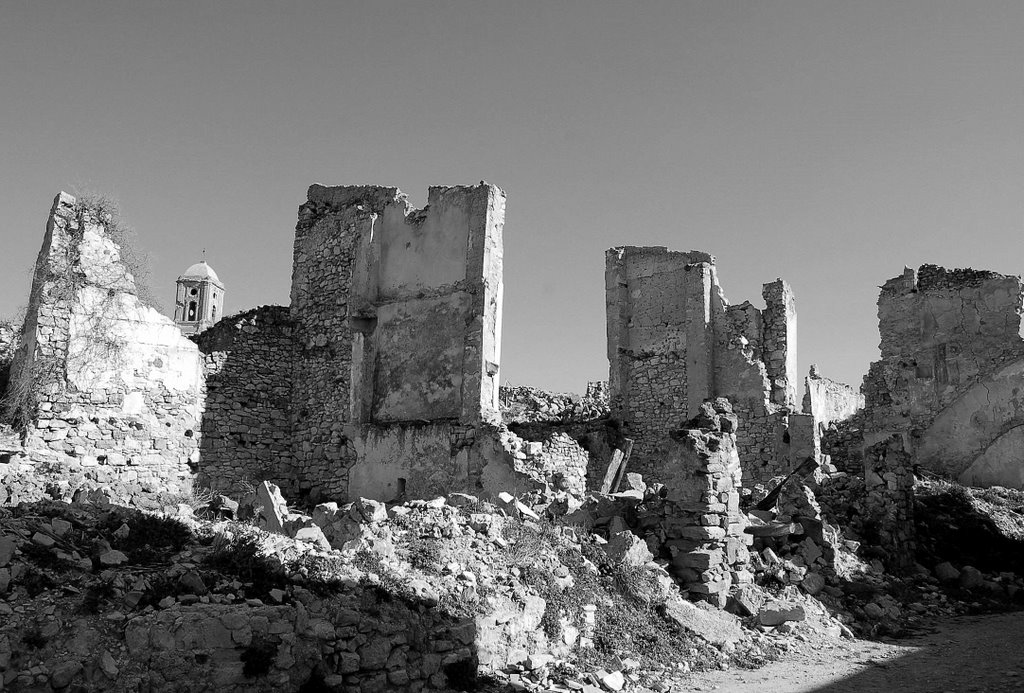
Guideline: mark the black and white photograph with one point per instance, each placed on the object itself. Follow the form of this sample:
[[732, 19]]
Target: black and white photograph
[[536, 346]]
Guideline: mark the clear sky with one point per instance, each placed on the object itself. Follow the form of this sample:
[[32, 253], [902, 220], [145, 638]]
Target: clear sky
[[828, 143]]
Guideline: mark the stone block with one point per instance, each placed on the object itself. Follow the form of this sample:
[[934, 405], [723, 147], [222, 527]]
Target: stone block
[[776, 612]]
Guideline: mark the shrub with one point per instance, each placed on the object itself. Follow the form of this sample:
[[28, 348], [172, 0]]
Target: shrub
[[241, 555], [151, 538]]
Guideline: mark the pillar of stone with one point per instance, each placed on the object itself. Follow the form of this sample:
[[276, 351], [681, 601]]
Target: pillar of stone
[[703, 524], [889, 482]]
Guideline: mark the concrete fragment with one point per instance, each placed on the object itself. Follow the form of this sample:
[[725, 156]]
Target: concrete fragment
[[63, 674], [270, 507], [313, 535], [370, 511], [813, 583], [613, 681], [44, 540]]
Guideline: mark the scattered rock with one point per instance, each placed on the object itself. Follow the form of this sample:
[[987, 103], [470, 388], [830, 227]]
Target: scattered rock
[[774, 613], [113, 558], [970, 578]]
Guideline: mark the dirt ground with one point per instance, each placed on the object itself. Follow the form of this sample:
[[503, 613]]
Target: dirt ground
[[980, 654]]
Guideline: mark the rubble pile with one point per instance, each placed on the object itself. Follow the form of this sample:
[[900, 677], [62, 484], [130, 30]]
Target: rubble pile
[[522, 404], [824, 537], [427, 595]]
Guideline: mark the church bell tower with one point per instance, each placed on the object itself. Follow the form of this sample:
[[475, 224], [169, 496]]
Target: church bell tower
[[199, 302]]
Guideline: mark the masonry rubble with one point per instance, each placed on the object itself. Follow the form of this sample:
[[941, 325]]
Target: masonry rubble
[[458, 601]]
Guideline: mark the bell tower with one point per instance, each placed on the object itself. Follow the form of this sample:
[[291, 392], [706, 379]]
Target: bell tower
[[199, 301]]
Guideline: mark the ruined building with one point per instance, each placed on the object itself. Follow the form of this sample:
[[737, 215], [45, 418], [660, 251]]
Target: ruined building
[[379, 380], [674, 341], [950, 380], [102, 383]]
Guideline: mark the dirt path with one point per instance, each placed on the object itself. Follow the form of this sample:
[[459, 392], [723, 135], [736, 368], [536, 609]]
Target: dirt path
[[982, 654]]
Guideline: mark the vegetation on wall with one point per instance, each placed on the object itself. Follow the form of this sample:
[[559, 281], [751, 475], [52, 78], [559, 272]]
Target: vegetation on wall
[[58, 285]]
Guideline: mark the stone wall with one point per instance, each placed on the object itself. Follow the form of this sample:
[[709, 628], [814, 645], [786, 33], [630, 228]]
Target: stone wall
[[699, 520], [674, 341], [397, 316], [248, 366], [828, 405], [828, 400], [104, 383], [345, 644], [889, 501], [950, 376]]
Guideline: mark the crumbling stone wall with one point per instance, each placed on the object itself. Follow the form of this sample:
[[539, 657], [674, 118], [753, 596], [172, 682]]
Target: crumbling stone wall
[[950, 374], [397, 319], [674, 341], [889, 500], [362, 646], [827, 406], [843, 442], [562, 438], [103, 383], [248, 365], [828, 400], [699, 519]]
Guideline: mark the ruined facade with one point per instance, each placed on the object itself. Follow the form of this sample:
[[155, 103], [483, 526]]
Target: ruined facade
[[674, 341], [828, 408], [379, 380], [397, 314], [950, 381], [102, 383], [381, 377]]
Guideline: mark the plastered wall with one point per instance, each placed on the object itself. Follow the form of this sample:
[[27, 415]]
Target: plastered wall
[[949, 380], [109, 386], [397, 316]]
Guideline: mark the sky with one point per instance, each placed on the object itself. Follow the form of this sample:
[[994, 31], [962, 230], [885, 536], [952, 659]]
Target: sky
[[827, 143]]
